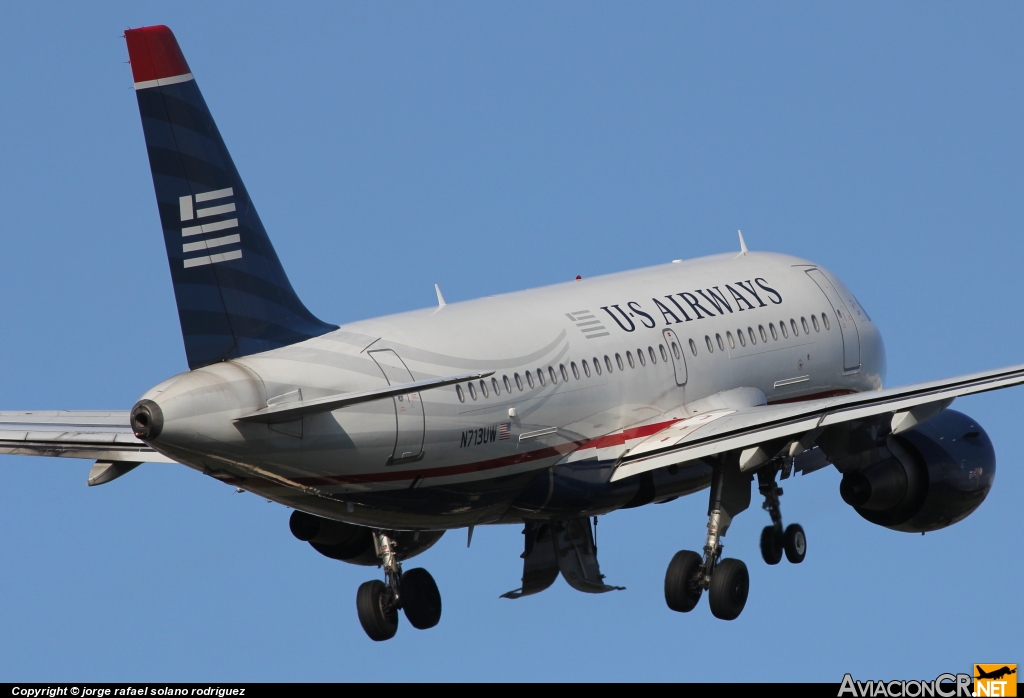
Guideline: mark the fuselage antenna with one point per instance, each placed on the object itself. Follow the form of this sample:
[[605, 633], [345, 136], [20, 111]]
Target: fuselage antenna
[[743, 246]]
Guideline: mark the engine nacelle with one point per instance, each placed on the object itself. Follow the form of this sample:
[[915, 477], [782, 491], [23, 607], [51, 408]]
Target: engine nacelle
[[354, 544], [938, 474]]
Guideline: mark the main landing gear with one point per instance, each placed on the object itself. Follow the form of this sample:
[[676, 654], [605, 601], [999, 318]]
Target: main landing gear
[[774, 539], [725, 579], [413, 592]]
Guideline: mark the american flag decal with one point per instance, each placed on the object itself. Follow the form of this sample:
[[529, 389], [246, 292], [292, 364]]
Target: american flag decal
[[504, 431]]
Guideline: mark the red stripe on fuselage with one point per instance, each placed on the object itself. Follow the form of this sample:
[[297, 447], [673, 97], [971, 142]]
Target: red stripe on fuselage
[[616, 439], [479, 466], [444, 471], [619, 438]]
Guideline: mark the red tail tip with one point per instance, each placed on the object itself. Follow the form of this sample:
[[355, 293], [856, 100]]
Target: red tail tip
[[154, 54]]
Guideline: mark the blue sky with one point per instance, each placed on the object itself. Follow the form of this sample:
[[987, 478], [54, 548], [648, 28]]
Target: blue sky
[[488, 148]]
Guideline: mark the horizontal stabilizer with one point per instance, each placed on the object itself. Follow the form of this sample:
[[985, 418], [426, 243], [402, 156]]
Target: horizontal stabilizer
[[293, 410], [96, 435]]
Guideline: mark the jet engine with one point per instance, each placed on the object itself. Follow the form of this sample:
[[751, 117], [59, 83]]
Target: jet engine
[[935, 476], [354, 544]]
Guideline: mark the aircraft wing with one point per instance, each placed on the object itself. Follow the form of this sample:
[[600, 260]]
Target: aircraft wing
[[97, 435], [719, 431]]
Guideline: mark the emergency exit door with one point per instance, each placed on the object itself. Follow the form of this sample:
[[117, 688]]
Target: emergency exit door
[[409, 420], [675, 350]]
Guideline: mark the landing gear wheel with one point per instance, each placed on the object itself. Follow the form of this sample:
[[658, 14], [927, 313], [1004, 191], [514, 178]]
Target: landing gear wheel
[[421, 600], [730, 584], [681, 590], [796, 543], [377, 615], [771, 545]]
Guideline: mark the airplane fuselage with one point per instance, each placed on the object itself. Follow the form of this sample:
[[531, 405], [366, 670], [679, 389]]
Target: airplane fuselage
[[572, 362]]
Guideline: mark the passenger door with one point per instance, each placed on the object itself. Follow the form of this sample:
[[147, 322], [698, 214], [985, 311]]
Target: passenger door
[[851, 338], [409, 419]]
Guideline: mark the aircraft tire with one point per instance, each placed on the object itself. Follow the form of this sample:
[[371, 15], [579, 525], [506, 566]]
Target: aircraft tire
[[378, 619], [680, 593], [796, 544], [421, 599], [730, 584], [771, 545]]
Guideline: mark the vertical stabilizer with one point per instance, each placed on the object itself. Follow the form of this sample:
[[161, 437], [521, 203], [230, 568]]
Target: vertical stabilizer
[[234, 298]]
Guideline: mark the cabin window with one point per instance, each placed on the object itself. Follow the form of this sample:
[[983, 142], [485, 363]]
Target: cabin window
[[824, 318], [629, 359], [721, 344], [764, 336], [508, 385], [462, 395], [554, 376], [483, 387], [740, 336], [565, 374], [792, 324], [597, 365], [675, 350], [711, 347], [750, 333], [494, 384], [771, 328], [519, 382], [814, 321], [618, 361], [586, 368], [664, 354], [575, 371], [785, 332], [803, 321], [529, 379], [608, 363], [732, 342], [472, 390], [654, 357], [693, 347], [640, 355], [540, 377]]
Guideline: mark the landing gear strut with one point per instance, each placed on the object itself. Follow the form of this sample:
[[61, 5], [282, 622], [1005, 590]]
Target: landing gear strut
[[415, 592], [774, 539], [726, 579]]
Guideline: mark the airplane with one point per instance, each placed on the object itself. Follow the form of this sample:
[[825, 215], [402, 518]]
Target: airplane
[[544, 408], [996, 673]]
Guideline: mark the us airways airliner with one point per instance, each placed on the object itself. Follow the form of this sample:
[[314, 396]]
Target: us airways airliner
[[541, 409]]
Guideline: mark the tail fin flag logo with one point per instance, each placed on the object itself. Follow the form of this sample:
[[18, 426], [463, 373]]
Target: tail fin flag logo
[[995, 680], [189, 208], [246, 305]]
